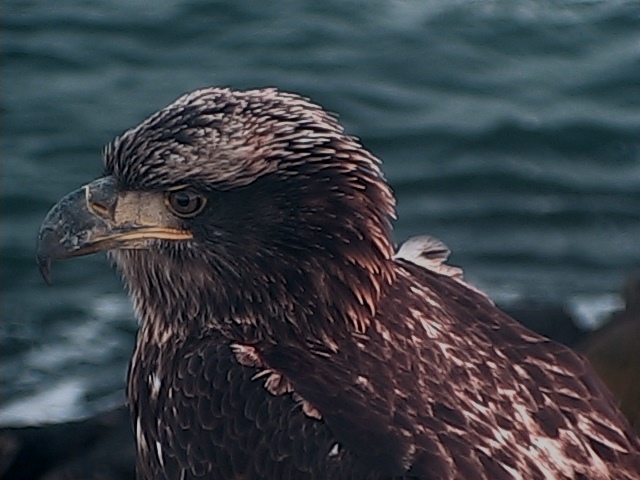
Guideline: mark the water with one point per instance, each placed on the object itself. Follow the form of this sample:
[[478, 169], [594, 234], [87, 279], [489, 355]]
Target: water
[[509, 129]]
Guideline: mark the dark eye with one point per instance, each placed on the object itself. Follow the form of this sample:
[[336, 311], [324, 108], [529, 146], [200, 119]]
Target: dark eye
[[185, 203]]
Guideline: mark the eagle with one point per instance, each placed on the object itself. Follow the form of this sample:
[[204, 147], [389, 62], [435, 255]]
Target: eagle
[[282, 334]]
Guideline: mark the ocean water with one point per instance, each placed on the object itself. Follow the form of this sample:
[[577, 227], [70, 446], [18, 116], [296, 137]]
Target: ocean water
[[510, 129]]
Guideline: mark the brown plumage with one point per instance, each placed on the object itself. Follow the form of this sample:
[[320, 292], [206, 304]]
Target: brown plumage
[[281, 338]]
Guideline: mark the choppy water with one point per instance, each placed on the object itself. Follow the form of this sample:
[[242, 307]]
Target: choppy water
[[509, 129]]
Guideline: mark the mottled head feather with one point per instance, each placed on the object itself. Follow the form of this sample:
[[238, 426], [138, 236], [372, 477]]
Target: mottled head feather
[[293, 198], [221, 138]]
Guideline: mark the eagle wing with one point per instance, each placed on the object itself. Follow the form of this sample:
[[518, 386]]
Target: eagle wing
[[210, 417], [360, 412], [442, 384]]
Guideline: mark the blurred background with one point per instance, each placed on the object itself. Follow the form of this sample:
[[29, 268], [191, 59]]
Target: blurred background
[[509, 129]]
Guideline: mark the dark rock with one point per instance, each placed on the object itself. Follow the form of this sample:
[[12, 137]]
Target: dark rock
[[549, 320], [97, 448], [614, 352]]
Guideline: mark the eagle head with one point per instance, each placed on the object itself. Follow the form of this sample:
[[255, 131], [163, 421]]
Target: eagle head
[[247, 211]]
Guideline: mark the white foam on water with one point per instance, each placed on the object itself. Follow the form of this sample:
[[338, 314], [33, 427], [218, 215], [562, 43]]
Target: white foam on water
[[593, 311], [112, 307], [62, 402], [502, 294], [57, 378]]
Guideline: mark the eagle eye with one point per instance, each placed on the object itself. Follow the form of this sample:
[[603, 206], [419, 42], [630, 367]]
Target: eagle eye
[[185, 203]]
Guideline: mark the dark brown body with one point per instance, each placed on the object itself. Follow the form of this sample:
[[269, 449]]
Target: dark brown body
[[214, 419], [242, 430]]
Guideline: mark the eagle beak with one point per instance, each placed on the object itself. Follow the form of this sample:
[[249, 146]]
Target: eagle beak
[[99, 217]]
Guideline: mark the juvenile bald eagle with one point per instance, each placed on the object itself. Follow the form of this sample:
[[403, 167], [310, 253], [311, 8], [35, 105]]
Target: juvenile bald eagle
[[282, 338]]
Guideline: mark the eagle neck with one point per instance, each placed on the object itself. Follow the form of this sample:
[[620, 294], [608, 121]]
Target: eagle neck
[[309, 299]]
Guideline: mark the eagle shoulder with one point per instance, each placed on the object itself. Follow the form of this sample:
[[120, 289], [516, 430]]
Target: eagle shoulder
[[442, 384]]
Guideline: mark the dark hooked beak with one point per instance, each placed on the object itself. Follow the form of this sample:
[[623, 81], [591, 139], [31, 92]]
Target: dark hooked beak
[[99, 217]]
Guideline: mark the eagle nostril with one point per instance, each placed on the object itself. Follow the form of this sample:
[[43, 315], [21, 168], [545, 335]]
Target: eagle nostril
[[101, 197], [100, 209]]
